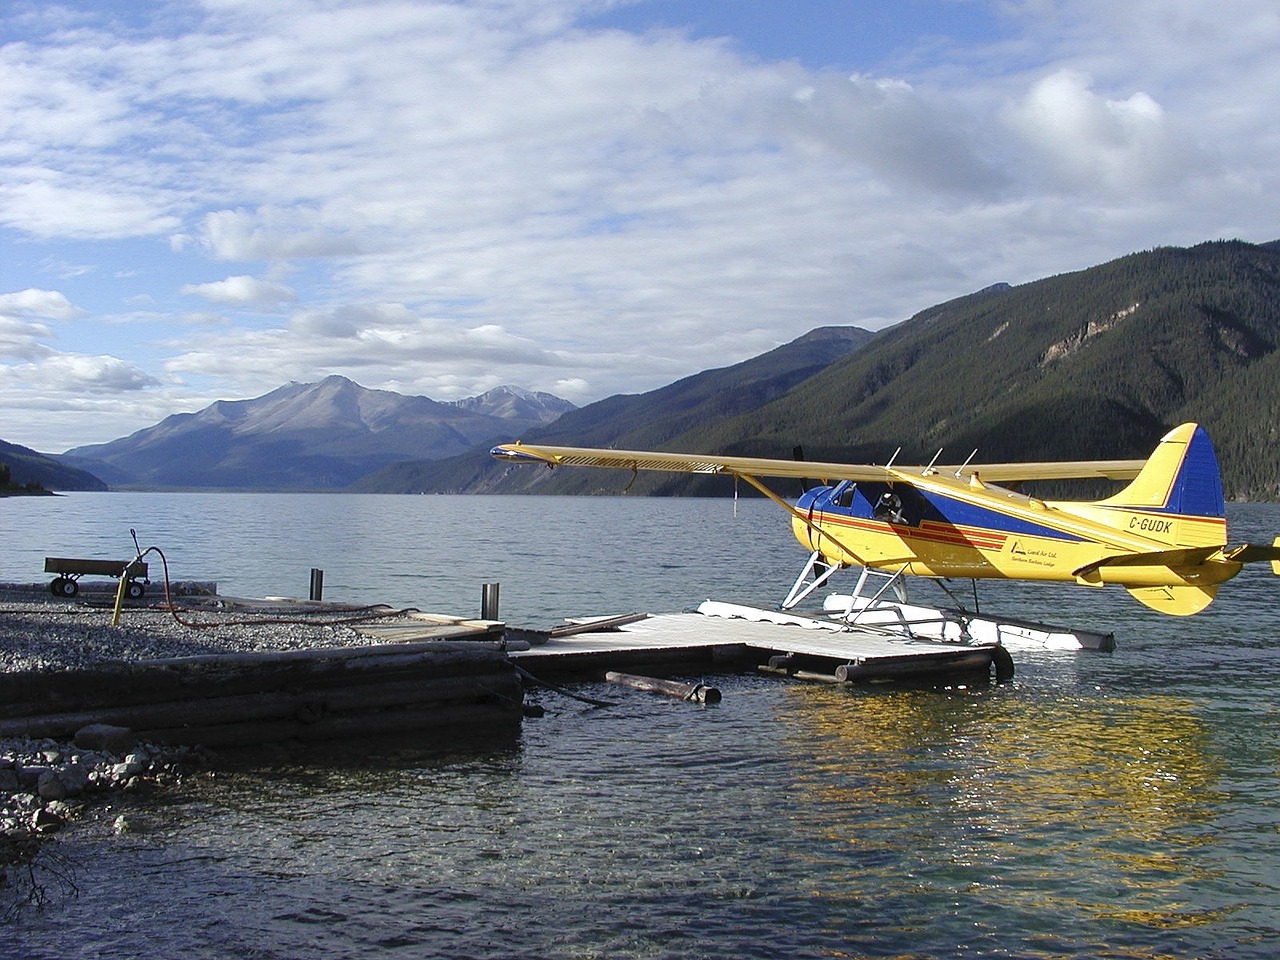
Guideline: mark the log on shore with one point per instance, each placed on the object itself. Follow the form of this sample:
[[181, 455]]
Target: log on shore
[[258, 697], [117, 683]]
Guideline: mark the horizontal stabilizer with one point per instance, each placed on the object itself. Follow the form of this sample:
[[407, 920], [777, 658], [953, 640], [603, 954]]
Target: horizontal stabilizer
[[1184, 557], [1190, 557], [1254, 553]]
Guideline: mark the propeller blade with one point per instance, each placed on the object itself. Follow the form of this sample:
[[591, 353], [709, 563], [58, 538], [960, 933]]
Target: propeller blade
[[797, 454]]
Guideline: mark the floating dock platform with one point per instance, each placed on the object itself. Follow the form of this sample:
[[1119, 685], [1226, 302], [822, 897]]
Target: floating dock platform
[[729, 635]]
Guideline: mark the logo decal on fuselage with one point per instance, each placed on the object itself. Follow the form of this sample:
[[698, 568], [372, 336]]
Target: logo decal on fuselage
[[1036, 556]]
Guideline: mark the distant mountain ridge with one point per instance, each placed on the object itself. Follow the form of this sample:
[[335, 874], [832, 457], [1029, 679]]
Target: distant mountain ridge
[[308, 436], [634, 420], [1095, 364], [512, 403]]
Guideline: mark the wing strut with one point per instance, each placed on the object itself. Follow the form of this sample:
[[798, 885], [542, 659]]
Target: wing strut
[[800, 589]]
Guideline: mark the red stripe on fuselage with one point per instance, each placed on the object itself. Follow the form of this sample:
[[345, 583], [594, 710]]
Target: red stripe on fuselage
[[930, 531]]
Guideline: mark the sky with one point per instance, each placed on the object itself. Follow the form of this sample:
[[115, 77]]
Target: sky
[[207, 199]]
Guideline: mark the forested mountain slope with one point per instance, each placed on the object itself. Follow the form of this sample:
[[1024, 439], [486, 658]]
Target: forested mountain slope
[[1094, 364], [26, 466]]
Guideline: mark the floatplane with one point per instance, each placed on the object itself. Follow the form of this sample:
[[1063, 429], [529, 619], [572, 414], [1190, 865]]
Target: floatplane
[[1163, 537]]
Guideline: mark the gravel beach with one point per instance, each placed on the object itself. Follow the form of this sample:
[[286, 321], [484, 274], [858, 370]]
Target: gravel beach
[[61, 635], [45, 783]]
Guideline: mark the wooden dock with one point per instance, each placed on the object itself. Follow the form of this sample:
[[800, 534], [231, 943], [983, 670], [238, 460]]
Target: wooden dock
[[725, 635], [434, 674]]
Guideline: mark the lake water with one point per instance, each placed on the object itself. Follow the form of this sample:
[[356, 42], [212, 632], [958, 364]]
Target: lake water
[[1100, 805]]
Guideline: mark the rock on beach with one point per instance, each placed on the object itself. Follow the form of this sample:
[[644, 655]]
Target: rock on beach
[[43, 784]]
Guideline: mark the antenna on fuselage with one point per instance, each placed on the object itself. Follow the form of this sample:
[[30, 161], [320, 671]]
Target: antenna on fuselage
[[929, 469], [960, 468], [893, 458]]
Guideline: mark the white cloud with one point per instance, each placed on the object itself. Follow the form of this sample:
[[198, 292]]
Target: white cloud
[[23, 334], [48, 204], [21, 339], [60, 400], [73, 374], [33, 302], [900, 134], [271, 234], [241, 291], [571, 389], [1091, 142], [378, 345]]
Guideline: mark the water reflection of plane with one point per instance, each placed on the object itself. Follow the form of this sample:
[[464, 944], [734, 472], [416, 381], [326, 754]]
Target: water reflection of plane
[[1104, 803]]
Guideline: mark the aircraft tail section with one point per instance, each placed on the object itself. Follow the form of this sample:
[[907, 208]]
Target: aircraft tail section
[[1176, 499]]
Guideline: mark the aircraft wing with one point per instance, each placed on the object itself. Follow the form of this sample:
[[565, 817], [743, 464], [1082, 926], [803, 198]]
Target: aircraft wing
[[1050, 470], [683, 462], [804, 469]]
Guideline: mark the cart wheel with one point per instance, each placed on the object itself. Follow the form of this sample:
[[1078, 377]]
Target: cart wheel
[[64, 587], [56, 586], [135, 589]]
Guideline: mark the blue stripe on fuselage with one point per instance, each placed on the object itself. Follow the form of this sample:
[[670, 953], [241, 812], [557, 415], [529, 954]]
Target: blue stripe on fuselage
[[919, 506]]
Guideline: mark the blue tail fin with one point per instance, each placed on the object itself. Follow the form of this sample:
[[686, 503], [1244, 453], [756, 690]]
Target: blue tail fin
[[1178, 489]]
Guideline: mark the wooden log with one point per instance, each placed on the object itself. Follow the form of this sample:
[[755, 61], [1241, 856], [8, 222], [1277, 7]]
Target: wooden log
[[158, 681], [423, 632], [693, 692], [816, 677], [304, 705]]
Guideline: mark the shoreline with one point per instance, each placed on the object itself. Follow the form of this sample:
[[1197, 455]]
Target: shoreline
[[46, 784]]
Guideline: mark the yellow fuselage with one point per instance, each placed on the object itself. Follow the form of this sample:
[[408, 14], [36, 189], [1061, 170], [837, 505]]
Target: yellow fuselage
[[962, 529]]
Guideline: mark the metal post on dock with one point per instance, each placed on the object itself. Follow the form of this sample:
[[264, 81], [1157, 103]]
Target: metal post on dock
[[317, 585], [489, 601]]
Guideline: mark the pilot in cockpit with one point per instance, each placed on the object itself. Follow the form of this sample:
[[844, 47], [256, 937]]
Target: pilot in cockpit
[[888, 508]]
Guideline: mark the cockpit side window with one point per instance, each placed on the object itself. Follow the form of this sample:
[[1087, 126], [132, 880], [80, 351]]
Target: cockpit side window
[[843, 495]]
